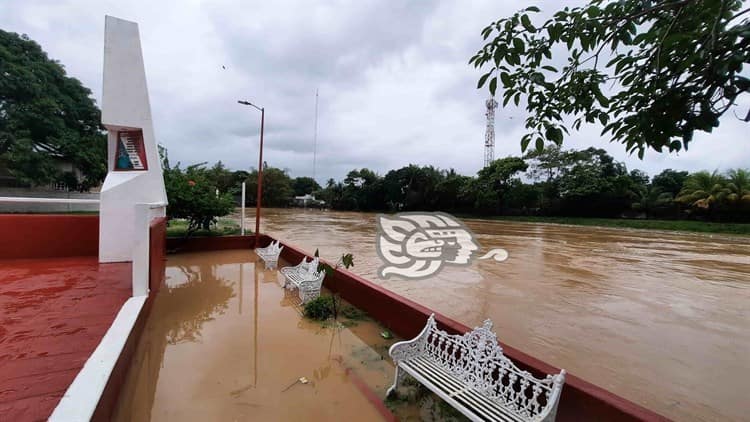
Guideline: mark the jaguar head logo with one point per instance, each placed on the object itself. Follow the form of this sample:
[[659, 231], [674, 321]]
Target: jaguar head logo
[[417, 245]]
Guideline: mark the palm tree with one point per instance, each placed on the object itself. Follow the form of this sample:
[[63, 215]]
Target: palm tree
[[650, 198], [738, 185], [703, 190]]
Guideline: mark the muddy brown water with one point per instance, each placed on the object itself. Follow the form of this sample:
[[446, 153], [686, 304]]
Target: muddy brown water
[[660, 318], [226, 342]]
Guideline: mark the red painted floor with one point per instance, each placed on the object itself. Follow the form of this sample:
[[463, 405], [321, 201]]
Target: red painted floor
[[53, 313]]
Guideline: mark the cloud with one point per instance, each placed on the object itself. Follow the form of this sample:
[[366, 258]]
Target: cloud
[[395, 87]]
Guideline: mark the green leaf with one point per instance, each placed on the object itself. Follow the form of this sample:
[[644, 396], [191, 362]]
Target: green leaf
[[532, 9], [493, 86], [519, 45], [526, 22], [486, 32], [553, 134], [506, 97], [550, 68], [483, 79], [525, 142], [593, 11], [604, 101], [505, 78], [539, 144]]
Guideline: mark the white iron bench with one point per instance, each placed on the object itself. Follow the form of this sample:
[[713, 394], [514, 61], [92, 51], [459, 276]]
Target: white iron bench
[[304, 265], [306, 278], [270, 254], [471, 373]]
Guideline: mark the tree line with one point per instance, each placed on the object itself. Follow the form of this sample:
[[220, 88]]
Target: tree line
[[551, 182]]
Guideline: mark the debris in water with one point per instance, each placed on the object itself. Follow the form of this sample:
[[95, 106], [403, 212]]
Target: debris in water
[[301, 380]]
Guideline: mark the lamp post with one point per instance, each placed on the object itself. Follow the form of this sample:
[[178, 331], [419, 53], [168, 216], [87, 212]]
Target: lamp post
[[260, 170]]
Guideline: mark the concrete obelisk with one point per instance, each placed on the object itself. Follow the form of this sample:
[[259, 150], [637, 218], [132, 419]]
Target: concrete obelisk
[[134, 174]]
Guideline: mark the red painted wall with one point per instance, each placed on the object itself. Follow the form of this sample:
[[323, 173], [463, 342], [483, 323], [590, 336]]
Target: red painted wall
[[580, 400], [48, 235]]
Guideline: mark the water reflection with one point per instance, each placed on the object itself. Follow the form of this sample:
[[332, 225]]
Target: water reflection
[[193, 302], [191, 296], [218, 346]]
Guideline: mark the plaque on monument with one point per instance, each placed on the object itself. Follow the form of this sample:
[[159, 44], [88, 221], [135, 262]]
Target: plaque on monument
[[130, 153]]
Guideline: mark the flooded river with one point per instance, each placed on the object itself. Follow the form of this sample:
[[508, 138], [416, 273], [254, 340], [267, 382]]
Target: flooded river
[[660, 318]]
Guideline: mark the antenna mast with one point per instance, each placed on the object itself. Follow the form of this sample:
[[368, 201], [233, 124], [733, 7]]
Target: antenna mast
[[489, 135], [315, 136]]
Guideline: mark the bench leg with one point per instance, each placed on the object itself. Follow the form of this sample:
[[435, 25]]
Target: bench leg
[[397, 378], [308, 295]]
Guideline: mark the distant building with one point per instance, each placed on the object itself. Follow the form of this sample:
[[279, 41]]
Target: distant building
[[7, 180], [13, 187], [308, 200]]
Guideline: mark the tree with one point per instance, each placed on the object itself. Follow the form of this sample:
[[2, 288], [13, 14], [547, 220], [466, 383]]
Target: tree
[[652, 200], [594, 184], [333, 193], [192, 196], [223, 179], [738, 187], [412, 188], [277, 187], [304, 185], [651, 72], [46, 117], [363, 191], [703, 190], [670, 181], [451, 192], [494, 181]]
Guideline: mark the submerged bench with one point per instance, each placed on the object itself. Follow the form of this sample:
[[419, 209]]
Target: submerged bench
[[471, 373], [306, 278], [270, 254]]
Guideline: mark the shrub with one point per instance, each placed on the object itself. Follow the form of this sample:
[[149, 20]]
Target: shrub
[[320, 308], [192, 196]]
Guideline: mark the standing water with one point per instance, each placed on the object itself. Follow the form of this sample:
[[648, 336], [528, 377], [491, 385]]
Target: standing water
[[660, 318]]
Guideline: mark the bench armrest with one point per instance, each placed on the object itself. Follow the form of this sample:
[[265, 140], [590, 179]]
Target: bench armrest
[[405, 350]]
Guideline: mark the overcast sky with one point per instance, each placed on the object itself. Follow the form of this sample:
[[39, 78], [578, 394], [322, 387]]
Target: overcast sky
[[394, 83]]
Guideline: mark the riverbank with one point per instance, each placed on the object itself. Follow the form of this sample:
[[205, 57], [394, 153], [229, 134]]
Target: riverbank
[[671, 225]]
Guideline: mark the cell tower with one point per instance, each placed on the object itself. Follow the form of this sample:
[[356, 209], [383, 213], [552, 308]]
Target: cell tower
[[489, 136]]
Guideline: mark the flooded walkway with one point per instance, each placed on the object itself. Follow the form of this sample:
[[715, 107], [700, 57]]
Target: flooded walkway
[[225, 341], [661, 318]]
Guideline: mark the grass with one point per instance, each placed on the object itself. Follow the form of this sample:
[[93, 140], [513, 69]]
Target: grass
[[671, 225], [223, 227]]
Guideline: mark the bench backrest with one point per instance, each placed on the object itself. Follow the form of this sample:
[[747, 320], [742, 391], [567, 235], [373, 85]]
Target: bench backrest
[[477, 359], [310, 268]]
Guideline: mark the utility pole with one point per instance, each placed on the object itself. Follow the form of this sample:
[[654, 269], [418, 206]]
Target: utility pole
[[260, 171]]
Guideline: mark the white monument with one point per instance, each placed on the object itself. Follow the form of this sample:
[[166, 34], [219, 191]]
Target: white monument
[[134, 173]]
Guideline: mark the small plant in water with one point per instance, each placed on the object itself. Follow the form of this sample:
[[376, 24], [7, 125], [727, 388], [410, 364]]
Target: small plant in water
[[320, 308], [346, 261]]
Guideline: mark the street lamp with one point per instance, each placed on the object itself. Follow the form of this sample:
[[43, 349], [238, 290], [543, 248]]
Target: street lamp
[[260, 171]]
